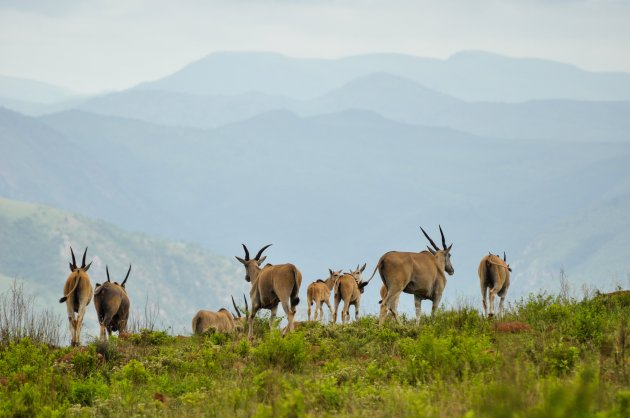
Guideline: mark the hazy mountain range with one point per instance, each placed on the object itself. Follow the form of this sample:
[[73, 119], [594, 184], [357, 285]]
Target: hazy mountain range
[[339, 161]]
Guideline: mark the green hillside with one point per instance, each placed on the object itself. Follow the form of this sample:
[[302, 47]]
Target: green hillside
[[591, 247], [178, 277], [555, 358]]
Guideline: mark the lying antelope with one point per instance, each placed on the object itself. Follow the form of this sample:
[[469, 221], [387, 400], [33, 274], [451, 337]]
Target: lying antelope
[[77, 293], [494, 278], [319, 292], [271, 285], [220, 321], [349, 288], [421, 274], [112, 305]]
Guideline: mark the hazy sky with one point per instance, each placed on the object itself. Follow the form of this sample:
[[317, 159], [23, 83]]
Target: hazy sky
[[94, 45]]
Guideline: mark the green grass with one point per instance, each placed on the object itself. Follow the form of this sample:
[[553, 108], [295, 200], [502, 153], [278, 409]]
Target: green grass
[[573, 362]]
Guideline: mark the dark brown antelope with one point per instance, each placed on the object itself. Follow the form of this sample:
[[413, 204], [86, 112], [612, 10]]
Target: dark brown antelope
[[349, 288], [77, 293], [112, 306], [420, 274], [494, 278], [319, 293], [271, 285], [220, 321]]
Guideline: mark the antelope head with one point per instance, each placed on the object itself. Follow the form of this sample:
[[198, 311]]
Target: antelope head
[[116, 283], [357, 274], [73, 265], [241, 315], [252, 266], [238, 310], [334, 276], [445, 251]]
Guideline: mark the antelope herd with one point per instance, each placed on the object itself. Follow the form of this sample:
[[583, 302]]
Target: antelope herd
[[422, 274]]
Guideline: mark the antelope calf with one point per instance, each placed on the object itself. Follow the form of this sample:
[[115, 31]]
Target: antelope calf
[[112, 306], [494, 278], [349, 288], [77, 293], [319, 292]]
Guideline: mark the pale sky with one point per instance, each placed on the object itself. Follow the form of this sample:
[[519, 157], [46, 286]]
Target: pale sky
[[96, 45]]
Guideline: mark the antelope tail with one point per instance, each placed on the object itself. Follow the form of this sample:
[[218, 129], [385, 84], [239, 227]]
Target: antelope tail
[[297, 279], [65, 297], [196, 325], [489, 262], [375, 268]]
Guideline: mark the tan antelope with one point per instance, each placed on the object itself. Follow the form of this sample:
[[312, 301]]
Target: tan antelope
[[349, 288], [112, 306], [77, 293], [420, 274], [319, 293], [220, 321], [494, 278], [271, 285]]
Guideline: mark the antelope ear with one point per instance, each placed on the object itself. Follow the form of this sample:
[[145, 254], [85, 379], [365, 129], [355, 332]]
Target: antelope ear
[[431, 250], [87, 267], [363, 268], [240, 259], [262, 260], [97, 285], [448, 250], [330, 271]]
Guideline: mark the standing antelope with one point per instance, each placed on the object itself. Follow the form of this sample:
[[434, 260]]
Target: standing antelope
[[77, 294], [319, 292], [349, 288], [112, 305], [421, 274], [271, 285], [494, 274]]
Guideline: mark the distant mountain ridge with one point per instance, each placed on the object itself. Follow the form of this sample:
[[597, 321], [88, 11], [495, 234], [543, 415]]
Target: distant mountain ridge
[[394, 97], [16, 88], [471, 75]]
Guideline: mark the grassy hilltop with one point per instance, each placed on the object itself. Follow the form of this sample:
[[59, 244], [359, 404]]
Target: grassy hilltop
[[550, 357]]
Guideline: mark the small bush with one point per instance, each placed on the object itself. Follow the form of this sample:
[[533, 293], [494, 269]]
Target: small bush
[[287, 353], [147, 337], [86, 392], [561, 359], [135, 372]]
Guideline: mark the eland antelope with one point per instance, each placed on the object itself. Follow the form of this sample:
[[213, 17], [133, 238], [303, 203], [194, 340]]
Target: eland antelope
[[112, 305], [420, 274], [271, 285], [494, 278], [77, 293], [319, 293], [349, 288], [220, 321]]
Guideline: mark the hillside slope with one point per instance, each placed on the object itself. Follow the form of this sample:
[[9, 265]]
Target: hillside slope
[[178, 277]]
